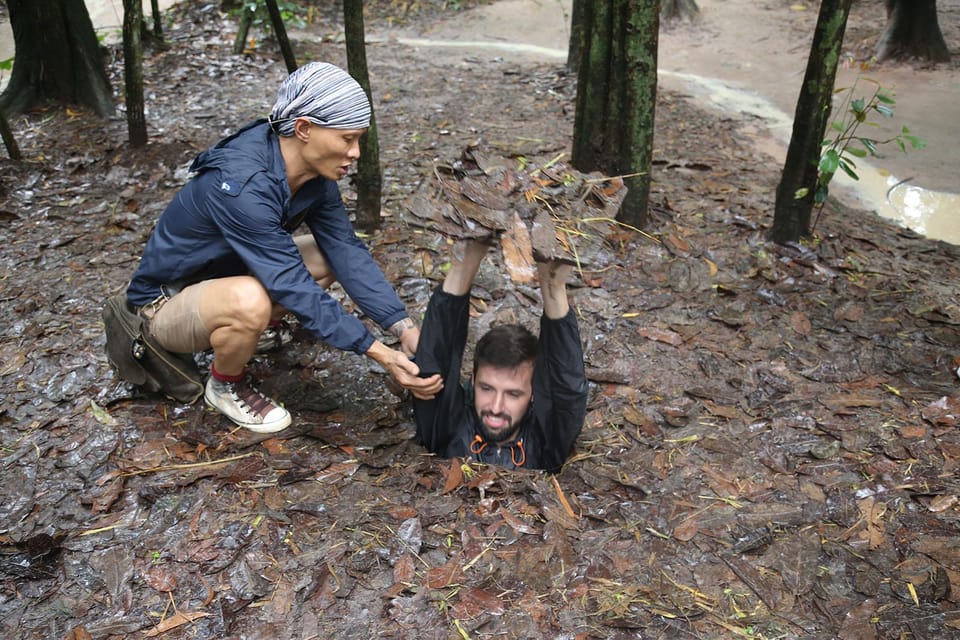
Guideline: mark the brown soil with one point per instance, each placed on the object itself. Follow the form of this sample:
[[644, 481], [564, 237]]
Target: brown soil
[[771, 449]]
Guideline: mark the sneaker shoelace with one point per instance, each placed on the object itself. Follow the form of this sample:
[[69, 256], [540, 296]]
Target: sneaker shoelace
[[251, 399]]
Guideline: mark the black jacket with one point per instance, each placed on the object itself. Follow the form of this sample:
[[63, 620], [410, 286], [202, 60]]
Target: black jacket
[[448, 424]]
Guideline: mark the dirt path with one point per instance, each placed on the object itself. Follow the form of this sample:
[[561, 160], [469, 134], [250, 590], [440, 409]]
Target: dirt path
[[748, 59]]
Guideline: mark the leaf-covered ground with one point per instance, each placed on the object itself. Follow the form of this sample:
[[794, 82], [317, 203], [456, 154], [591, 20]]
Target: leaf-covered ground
[[771, 449]]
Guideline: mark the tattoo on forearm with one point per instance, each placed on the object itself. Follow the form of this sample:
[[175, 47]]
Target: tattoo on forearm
[[397, 328]]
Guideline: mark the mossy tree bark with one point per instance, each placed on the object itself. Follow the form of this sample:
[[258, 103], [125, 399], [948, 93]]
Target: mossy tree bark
[[369, 175], [58, 57], [616, 97], [791, 218], [133, 73], [575, 45]]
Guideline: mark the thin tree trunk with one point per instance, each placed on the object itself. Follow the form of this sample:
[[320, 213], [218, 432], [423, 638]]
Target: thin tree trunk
[[157, 20], [369, 175], [8, 140], [243, 30], [133, 73], [281, 32], [640, 46], [576, 35], [791, 219], [592, 87]]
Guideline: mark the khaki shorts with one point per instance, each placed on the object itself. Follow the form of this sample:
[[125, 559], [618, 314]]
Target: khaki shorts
[[175, 322]]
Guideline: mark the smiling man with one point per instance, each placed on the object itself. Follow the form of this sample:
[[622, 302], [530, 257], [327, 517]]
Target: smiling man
[[223, 264], [527, 399]]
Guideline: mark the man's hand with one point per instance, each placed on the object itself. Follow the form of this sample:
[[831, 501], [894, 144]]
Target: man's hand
[[553, 287], [408, 334], [405, 371]]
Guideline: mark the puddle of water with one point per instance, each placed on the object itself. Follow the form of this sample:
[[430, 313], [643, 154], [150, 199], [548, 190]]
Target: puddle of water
[[935, 214]]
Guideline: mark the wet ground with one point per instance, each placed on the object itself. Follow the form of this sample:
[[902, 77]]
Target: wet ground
[[771, 449]]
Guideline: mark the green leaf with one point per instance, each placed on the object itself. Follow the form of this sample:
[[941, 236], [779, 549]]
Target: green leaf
[[836, 125], [820, 195], [857, 153], [829, 162], [847, 170], [915, 142], [7, 64], [885, 99], [858, 105], [869, 144], [887, 111], [801, 193]]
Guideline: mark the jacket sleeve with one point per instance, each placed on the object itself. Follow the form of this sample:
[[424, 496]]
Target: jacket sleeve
[[442, 341], [250, 222], [350, 259], [559, 391]]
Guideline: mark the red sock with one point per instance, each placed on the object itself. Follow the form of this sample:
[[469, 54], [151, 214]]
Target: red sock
[[225, 378]]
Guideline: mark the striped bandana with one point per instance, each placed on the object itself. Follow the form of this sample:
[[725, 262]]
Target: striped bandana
[[325, 95]]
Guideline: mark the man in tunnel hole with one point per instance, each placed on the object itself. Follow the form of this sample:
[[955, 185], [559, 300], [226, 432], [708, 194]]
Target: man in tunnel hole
[[526, 401]]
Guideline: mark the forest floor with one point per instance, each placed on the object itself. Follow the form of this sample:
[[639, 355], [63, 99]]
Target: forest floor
[[771, 449]]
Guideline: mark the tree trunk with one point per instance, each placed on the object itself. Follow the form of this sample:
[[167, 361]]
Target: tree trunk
[[576, 35], [8, 140], [678, 10], [243, 30], [791, 219], [369, 176], [281, 31], [133, 73], [58, 57], [616, 97], [912, 31], [157, 21]]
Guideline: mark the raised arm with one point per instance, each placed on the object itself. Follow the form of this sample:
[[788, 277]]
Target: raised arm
[[553, 288]]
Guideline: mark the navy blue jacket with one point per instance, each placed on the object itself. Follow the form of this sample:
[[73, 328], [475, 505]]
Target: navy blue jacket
[[448, 425], [236, 217]]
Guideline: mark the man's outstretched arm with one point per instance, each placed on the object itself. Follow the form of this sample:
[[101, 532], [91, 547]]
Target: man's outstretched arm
[[553, 288], [465, 260]]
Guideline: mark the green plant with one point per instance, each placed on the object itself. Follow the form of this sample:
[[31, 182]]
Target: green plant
[[844, 143]]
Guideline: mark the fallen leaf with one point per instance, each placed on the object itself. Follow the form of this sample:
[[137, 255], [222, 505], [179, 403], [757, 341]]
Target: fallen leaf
[[518, 252], [160, 579], [686, 530], [454, 476], [800, 323], [404, 571], [475, 602], [443, 576], [941, 503], [661, 335], [178, 619]]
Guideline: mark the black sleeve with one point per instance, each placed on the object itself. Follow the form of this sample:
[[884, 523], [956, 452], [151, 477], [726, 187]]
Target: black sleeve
[[559, 392], [443, 337]]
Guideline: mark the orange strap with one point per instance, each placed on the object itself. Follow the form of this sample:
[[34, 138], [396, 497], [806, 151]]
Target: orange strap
[[477, 445], [523, 454]]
